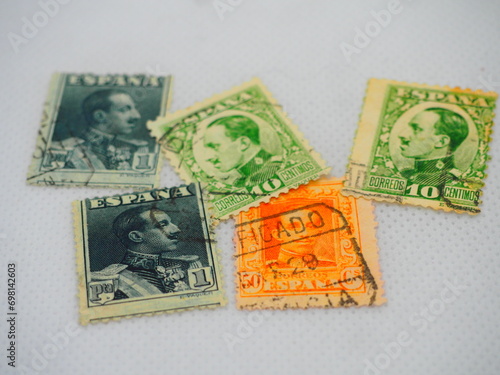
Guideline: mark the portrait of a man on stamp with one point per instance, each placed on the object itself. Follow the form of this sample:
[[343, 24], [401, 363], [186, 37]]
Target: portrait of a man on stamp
[[310, 247], [241, 144], [94, 131], [431, 139], [234, 144], [422, 145], [111, 115], [151, 237], [149, 250]]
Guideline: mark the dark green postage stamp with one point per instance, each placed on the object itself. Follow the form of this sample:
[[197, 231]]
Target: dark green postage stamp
[[422, 145], [240, 145], [93, 131], [146, 252]]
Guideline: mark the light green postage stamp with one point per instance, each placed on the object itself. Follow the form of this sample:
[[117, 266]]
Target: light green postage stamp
[[93, 131], [240, 145], [422, 145]]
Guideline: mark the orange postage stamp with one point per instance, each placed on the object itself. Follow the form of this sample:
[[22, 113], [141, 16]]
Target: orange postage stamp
[[311, 247]]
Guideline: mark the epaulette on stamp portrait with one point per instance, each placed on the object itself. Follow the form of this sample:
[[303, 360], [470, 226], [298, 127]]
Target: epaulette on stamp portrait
[[240, 145], [310, 247], [93, 131], [422, 145], [146, 253]]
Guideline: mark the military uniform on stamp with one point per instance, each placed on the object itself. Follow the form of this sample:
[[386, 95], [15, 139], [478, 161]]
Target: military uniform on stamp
[[146, 252], [241, 145], [93, 131], [310, 247], [422, 145]]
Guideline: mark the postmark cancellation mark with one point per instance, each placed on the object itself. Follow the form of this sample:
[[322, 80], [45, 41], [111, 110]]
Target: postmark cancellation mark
[[311, 247]]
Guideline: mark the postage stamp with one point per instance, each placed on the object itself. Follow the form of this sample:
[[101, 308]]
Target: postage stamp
[[422, 145], [240, 145], [146, 252], [93, 131], [310, 247]]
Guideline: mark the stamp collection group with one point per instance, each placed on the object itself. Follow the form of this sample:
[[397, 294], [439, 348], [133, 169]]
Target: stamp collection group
[[301, 239]]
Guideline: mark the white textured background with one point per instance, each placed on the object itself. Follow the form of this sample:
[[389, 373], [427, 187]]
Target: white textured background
[[294, 46]]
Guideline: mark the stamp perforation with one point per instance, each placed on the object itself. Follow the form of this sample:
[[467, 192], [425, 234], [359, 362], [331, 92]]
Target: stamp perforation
[[433, 181], [209, 297], [160, 130], [51, 163], [360, 215]]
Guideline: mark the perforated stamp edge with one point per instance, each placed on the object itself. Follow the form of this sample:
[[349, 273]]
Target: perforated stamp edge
[[155, 130], [113, 180], [86, 315], [369, 258], [365, 137]]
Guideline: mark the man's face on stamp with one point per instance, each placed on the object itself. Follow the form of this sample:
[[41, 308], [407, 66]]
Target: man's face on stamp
[[306, 222], [95, 127], [226, 154], [140, 263], [433, 134], [159, 233], [422, 145], [305, 250], [241, 145], [232, 142], [419, 140], [121, 118]]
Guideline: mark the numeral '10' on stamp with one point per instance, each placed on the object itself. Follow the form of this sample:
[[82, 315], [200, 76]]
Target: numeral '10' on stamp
[[422, 145]]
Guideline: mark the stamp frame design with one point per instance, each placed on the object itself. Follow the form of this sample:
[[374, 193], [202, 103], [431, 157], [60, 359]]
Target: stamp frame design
[[372, 148], [166, 131], [356, 239], [41, 175], [152, 304]]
